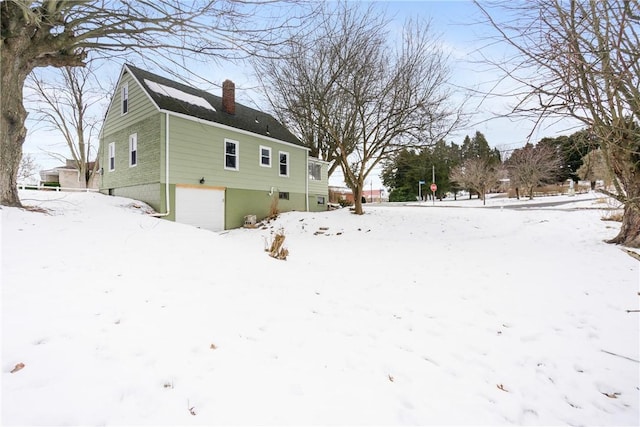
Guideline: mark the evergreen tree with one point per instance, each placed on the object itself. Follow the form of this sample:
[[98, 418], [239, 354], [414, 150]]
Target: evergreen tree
[[571, 149], [403, 173], [478, 148]]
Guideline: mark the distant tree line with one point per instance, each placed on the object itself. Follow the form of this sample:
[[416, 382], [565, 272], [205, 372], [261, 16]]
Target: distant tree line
[[478, 169]]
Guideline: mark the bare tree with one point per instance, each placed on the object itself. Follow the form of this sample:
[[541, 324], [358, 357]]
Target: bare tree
[[65, 106], [28, 168], [531, 166], [63, 33], [476, 174], [355, 97], [581, 60]]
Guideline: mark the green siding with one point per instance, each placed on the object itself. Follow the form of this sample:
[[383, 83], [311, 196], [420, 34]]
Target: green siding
[[140, 107], [143, 119], [241, 202], [197, 151], [313, 203], [149, 164], [319, 188], [148, 193]]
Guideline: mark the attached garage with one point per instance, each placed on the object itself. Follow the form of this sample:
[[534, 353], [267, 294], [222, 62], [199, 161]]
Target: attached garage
[[200, 206]]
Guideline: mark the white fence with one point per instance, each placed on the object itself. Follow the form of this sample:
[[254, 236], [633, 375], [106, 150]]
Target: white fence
[[40, 187]]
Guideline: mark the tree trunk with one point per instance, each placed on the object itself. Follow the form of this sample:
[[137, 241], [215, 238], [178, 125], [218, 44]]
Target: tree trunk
[[84, 173], [12, 125], [629, 234], [357, 200]]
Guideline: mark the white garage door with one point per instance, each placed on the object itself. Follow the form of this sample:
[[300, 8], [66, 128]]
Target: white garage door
[[200, 206]]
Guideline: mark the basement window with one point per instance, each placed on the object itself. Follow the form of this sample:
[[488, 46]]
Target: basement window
[[283, 195]]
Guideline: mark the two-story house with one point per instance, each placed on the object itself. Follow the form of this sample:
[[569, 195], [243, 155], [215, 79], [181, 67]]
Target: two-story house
[[201, 159]]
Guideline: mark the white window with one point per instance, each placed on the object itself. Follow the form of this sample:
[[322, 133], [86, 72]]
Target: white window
[[231, 155], [125, 98], [133, 149], [284, 163], [315, 171], [112, 156], [265, 156]]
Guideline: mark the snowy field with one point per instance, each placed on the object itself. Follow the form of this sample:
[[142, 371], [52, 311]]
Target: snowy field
[[405, 315]]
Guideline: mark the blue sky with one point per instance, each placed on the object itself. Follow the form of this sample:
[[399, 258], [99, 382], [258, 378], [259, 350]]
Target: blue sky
[[457, 22]]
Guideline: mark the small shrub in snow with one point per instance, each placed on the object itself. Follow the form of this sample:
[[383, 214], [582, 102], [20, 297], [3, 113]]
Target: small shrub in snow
[[17, 368], [273, 209], [276, 248], [613, 211]]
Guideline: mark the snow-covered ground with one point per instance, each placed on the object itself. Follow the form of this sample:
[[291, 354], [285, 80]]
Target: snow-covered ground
[[405, 315]]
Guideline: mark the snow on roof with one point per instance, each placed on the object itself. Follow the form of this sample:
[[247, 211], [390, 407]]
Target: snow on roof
[[178, 94]]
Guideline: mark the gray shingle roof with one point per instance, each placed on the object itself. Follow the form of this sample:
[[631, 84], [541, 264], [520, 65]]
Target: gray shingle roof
[[245, 118]]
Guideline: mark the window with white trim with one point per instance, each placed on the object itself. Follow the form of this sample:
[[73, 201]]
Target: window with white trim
[[112, 156], [283, 160], [124, 94], [133, 150], [231, 160], [315, 171], [320, 200], [265, 156]]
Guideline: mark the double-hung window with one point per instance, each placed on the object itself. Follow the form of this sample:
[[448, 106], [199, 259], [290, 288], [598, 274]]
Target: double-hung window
[[265, 156], [315, 171], [231, 160], [112, 156], [283, 163], [133, 149], [124, 94]]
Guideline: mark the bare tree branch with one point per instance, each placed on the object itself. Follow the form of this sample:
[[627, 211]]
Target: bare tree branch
[[531, 166], [356, 98], [580, 60], [65, 105], [476, 174], [170, 34]]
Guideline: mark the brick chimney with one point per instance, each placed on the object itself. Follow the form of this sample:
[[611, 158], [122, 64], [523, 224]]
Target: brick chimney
[[229, 97]]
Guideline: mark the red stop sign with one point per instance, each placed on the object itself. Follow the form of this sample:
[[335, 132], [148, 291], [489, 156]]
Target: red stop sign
[[434, 187]]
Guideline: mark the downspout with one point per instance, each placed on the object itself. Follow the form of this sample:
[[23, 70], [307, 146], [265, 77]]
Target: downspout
[[166, 166]]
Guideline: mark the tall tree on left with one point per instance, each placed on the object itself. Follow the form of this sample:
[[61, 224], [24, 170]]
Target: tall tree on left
[[62, 33]]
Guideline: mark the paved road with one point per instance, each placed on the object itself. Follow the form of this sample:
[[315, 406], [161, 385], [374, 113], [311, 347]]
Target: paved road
[[535, 204]]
